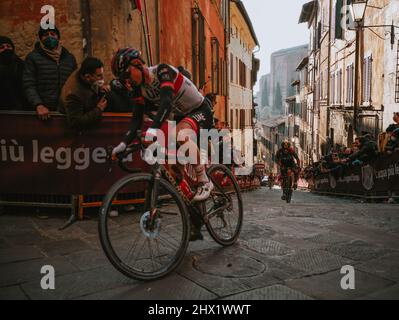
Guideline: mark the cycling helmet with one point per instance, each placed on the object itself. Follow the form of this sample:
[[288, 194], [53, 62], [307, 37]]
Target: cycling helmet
[[122, 59]]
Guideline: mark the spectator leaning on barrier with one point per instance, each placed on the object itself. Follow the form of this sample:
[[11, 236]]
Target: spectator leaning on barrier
[[393, 131], [47, 68], [368, 151], [83, 98], [347, 153], [356, 145], [11, 69]]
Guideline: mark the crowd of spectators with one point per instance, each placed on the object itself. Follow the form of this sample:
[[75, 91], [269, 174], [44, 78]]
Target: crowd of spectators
[[49, 80], [363, 151]]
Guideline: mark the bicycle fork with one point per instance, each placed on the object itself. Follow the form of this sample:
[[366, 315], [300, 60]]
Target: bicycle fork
[[151, 199]]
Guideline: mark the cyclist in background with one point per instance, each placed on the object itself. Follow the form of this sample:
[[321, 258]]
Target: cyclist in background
[[288, 159]]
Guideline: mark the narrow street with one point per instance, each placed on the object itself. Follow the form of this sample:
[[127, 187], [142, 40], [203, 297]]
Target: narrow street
[[285, 251]]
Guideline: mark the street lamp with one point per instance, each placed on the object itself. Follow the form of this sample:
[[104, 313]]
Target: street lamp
[[359, 9], [358, 13]]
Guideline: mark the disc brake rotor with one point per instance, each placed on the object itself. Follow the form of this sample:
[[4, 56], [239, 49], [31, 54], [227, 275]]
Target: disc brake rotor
[[151, 232]]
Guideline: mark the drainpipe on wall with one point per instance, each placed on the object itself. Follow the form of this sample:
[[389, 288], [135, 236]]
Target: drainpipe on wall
[[86, 28], [157, 30], [227, 62], [329, 73], [314, 86], [357, 81]]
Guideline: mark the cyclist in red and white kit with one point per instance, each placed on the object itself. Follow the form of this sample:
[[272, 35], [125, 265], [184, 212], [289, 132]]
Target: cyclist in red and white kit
[[166, 89]]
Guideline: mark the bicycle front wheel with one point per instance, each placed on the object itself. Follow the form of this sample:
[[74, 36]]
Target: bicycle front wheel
[[141, 244], [224, 209]]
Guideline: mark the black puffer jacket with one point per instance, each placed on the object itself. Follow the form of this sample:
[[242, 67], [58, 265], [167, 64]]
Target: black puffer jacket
[[11, 92], [43, 78]]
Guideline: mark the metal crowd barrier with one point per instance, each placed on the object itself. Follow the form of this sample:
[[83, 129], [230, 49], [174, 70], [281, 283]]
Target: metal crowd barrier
[[19, 191]]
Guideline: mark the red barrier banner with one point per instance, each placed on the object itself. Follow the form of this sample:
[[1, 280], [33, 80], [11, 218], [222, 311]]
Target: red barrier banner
[[378, 178], [39, 157]]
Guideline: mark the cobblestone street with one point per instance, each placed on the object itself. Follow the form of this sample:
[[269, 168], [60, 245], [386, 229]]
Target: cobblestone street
[[291, 251]]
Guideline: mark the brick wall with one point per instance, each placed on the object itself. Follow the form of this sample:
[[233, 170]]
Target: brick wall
[[114, 25]]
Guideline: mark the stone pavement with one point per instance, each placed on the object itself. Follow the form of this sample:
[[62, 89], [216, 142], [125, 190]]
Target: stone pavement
[[285, 251]]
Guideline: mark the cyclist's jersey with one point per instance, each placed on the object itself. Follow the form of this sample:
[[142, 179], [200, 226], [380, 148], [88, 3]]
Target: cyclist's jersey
[[169, 91], [287, 159], [186, 97]]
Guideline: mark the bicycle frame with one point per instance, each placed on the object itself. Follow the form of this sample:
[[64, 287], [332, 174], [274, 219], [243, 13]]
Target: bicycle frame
[[166, 171]]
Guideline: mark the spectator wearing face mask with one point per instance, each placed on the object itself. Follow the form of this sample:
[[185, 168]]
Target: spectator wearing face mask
[[83, 98], [47, 68], [11, 69]]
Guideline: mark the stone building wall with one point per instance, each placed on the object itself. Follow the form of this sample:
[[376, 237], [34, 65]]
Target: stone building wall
[[283, 70], [114, 25]]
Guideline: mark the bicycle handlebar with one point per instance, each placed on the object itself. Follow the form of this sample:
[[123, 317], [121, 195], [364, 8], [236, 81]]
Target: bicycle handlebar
[[122, 156]]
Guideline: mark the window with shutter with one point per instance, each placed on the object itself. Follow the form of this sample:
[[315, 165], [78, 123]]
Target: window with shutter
[[321, 85], [397, 77], [319, 35], [326, 88], [369, 77], [223, 76], [231, 67], [215, 74], [347, 99], [242, 119], [237, 72], [198, 47], [364, 80], [296, 131], [332, 93], [352, 83], [349, 84], [339, 87]]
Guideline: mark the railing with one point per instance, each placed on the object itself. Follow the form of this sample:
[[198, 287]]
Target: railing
[[376, 180], [45, 164]]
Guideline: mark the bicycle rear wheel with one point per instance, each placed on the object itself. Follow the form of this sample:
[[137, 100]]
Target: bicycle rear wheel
[[136, 248], [288, 188], [224, 209]]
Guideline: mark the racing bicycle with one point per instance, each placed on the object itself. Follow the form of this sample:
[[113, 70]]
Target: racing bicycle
[[149, 240]]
